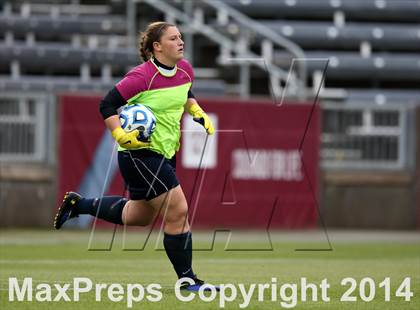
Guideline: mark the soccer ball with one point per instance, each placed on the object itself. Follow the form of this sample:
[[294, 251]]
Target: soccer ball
[[138, 116]]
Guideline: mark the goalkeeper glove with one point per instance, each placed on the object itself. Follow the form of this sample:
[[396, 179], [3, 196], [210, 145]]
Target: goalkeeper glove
[[128, 140], [201, 117]]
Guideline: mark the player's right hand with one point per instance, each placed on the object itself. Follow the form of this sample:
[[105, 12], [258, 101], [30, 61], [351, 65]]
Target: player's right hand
[[128, 140]]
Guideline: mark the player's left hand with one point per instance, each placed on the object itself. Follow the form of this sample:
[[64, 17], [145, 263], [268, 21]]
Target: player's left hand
[[201, 117]]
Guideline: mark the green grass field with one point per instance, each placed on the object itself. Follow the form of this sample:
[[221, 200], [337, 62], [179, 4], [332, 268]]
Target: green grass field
[[58, 257]]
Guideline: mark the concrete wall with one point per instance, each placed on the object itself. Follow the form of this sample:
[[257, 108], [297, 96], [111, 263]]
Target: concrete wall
[[369, 200], [27, 195]]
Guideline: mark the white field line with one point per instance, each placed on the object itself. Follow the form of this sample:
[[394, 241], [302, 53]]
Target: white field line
[[16, 237], [221, 261]]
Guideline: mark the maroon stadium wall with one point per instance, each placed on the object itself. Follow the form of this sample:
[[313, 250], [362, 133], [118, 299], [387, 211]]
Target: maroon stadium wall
[[260, 170]]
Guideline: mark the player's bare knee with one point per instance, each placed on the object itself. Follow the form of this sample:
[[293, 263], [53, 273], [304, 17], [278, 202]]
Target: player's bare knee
[[176, 214]]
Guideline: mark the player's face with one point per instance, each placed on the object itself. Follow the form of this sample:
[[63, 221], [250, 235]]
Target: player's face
[[171, 47]]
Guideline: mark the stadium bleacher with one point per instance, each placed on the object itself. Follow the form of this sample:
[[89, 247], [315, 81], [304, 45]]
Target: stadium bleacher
[[373, 41], [321, 34], [372, 46], [62, 45], [385, 10], [45, 25]]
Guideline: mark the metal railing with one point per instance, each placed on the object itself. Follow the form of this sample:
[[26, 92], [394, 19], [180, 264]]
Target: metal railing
[[366, 136], [270, 40], [193, 15], [26, 127]]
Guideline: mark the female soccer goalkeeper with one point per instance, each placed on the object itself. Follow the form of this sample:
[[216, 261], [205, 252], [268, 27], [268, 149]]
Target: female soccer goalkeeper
[[162, 83]]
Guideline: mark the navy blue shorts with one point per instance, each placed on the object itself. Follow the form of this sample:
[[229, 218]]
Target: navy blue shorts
[[147, 174]]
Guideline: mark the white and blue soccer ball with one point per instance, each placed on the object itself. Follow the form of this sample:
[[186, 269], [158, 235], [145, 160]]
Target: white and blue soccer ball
[[138, 116]]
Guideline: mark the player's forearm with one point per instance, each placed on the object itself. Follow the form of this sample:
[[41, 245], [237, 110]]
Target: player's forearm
[[112, 122]]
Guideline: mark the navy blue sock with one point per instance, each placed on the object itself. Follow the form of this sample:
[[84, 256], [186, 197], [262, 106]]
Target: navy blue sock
[[108, 208], [179, 251]]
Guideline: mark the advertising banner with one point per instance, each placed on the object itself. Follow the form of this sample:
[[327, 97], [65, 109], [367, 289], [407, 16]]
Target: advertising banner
[[258, 171]]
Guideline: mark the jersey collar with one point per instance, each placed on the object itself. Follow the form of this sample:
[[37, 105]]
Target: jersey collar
[[168, 72]]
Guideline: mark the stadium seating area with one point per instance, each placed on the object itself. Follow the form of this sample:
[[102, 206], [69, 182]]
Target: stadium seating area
[[68, 46], [372, 46]]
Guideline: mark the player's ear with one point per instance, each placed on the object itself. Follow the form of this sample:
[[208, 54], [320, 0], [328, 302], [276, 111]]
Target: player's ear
[[157, 46]]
